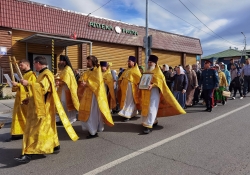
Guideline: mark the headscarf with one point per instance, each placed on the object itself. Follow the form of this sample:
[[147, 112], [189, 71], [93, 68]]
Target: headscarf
[[166, 67], [217, 65], [182, 71], [141, 67]]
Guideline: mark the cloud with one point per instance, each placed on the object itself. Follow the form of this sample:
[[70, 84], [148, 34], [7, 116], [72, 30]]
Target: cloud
[[227, 18], [81, 6]]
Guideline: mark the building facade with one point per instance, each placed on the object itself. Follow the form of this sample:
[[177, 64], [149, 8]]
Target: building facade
[[28, 29], [226, 55]]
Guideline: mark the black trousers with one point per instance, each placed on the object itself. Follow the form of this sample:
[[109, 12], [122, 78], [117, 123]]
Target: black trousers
[[208, 97], [246, 84], [196, 95], [235, 90], [231, 86]]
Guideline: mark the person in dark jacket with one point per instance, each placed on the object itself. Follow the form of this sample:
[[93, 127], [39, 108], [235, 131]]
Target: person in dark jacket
[[237, 84], [167, 74], [197, 90], [180, 86], [121, 71], [209, 81], [232, 62], [77, 75]]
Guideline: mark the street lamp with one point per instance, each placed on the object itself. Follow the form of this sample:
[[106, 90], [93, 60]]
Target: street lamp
[[244, 50]]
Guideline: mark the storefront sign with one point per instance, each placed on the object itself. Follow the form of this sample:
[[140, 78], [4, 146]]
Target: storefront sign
[[117, 29], [3, 50]]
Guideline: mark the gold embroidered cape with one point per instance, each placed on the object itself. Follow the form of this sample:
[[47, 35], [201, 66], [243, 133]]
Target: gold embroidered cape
[[132, 75], [109, 81], [40, 135], [68, 77], [20, 110], [168, 106], [95, 84]]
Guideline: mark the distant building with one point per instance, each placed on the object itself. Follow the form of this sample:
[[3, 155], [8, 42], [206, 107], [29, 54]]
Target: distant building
[[226, 55]]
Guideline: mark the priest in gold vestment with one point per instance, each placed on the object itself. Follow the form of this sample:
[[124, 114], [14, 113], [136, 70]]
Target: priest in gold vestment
[[19, 109], [67, 89], [128, 89], [157, 100], [40, 135], [109, 84], [94, 109]]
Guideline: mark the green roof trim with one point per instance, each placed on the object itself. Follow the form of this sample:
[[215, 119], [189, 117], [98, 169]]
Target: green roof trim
[[224, 54]]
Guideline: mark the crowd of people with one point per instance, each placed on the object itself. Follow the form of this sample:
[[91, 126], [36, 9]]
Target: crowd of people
[[212, 83], [44, 101]]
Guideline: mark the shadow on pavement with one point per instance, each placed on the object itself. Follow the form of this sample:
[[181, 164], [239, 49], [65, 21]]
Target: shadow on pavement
[[9, 162], [118, 118], [128, 127], [7, 157]]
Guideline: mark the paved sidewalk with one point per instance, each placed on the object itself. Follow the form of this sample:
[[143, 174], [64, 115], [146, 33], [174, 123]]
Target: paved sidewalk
[[6, 107]]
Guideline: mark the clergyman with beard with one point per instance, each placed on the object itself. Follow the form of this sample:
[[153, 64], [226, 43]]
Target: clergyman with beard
[[67, 89], [150, 99], [94, 108], [128, 91]]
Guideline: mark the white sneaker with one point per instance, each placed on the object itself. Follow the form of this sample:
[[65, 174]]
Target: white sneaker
[[241, 98], [233, 98]]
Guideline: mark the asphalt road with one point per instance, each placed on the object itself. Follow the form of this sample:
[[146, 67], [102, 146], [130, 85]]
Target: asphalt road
[[198, 143]]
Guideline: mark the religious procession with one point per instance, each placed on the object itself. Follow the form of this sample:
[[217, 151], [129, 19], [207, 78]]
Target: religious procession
[[92, 97]]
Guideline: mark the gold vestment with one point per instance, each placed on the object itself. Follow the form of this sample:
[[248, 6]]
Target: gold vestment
[[95, 84], [132, 75], [168, 106], [19, 109], [40, 135], [109, 81], [68, 77]]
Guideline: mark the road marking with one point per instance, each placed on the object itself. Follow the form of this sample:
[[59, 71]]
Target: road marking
[[157, 144]]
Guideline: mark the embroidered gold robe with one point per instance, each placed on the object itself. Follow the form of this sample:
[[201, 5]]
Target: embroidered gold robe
[[168, 106], [40, 136], [132, 75], [95, 84], [19, 109], [67, 76], [109, 81]]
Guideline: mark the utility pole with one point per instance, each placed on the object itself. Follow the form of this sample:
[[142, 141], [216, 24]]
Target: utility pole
[[146, 37]]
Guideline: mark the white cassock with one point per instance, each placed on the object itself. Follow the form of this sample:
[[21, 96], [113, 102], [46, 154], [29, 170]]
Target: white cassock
[[95, 121], [153, 108], [129, 109], [71, 114]]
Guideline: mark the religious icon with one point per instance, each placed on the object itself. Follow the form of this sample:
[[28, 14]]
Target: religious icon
[[145, 80]]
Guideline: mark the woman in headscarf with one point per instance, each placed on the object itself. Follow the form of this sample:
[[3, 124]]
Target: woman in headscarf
[[218, 97], [192, 85], [167, 74], [180, 86]]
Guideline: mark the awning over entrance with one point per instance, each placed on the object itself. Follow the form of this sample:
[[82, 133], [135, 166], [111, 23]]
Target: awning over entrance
[[58, 41]]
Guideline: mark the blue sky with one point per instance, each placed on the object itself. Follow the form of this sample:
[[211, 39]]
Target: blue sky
[[226, 18]]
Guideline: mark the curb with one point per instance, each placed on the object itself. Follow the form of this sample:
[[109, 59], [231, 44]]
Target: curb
[[6, 122], [5, 112]]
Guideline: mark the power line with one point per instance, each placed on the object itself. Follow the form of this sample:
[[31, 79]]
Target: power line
[[205, 24], [190, 23], [198, 8], [100, 7], [179, 17]]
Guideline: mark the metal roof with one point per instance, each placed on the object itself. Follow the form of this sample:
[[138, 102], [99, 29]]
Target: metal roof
[[47, 40], [224, 54]]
